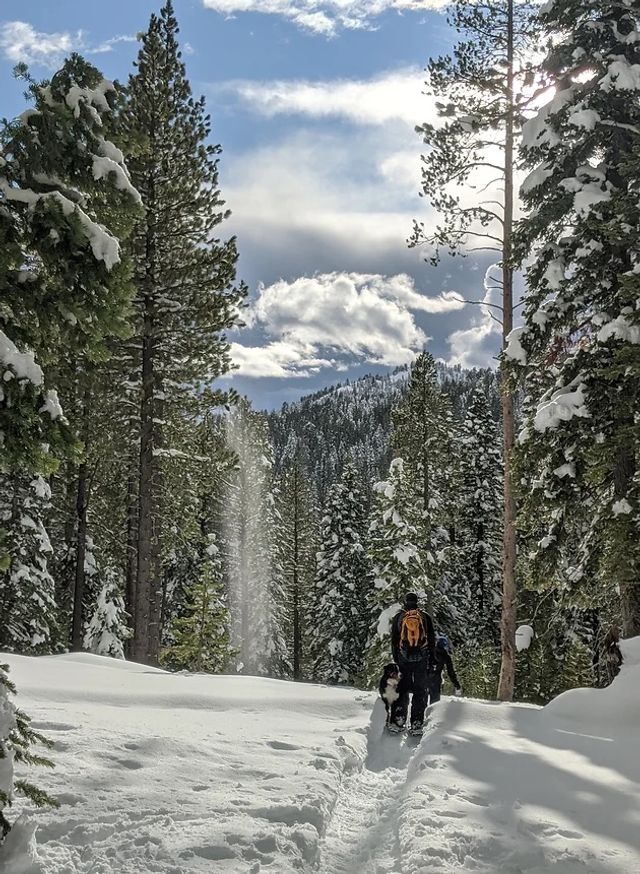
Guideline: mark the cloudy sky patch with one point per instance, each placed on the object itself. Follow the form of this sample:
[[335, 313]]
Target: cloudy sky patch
[[314, 103]]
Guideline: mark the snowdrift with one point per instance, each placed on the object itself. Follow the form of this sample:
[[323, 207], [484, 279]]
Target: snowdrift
[[175, 773], [616, 707], [160, 772]]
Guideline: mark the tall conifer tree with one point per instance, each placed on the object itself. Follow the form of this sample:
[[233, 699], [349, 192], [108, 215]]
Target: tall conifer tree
[[395, 558], [296, 543], [480, 529], [66, 196], [185, 296], [201, 634], [423, 438], [343, 582], [580, 344], [481, 95]]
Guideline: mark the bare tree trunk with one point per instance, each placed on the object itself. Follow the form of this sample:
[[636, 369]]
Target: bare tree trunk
[[628, 581], [145, 501], [156, 601], [426, 496], [132, 541], [297, 643], [148, 595], [146, 589], [506, 683], [133, 481], [244, 583], [77, 627]]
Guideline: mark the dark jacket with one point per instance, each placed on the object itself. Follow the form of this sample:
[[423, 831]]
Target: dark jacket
[[443, 660], [428, 653]]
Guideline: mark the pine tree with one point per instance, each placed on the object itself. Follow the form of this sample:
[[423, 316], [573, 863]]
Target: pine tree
[[201, 634], [27, 592], [281, 606], [64, 193], [296, 544], [423, 438], [581, 336], [108, 629], [395, 559], [479, 529], [482, 97], [184, 294], [341, 617], [17, 739]]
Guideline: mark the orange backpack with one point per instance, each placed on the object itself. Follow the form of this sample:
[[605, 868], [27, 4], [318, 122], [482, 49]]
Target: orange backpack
[[413, 635]]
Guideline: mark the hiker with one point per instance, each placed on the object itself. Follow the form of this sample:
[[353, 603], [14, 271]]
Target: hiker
[[413, 643], [444, 651]]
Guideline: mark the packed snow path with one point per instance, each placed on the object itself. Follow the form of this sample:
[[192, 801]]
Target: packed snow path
[[362, 834], [169, 774], [490, 788]]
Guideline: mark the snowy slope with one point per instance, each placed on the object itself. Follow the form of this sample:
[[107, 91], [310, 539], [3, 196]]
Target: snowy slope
[[180, 773]]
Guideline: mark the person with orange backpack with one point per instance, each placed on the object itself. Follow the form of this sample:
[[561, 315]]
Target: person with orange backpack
[[413, 643]]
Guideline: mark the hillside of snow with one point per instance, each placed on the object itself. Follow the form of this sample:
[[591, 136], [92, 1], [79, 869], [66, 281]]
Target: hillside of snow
[[159, 772]]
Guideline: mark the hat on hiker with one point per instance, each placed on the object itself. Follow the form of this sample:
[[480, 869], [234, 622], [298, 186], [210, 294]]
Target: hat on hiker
[[411, 600]]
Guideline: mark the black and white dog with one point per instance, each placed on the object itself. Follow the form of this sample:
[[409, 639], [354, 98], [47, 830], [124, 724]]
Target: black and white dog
[[389, 687]]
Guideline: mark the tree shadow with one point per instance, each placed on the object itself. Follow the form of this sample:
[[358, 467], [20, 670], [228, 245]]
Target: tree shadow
[[540, 791]]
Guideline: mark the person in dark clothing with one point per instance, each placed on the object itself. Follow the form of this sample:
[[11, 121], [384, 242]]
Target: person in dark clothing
[[443, 660], [413, 642]]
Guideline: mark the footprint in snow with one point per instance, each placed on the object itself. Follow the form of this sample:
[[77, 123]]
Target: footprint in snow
[[130, 764], [281, 745], [53, 726], [215, 853], [68, 798]]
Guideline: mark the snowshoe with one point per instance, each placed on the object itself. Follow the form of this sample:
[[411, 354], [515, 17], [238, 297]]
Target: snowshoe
[[416, 729], [394, 728]]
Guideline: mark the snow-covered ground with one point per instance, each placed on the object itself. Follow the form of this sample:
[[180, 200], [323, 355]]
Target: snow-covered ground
[[178, 773]]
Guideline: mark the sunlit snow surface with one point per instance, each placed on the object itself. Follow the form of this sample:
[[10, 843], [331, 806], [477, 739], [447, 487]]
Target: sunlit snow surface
[[177, 773]]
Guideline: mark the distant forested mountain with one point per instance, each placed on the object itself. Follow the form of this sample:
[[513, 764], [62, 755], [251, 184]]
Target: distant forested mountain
[[351, 421]]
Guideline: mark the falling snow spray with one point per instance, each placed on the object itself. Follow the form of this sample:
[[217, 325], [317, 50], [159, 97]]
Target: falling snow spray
[[247, 535]]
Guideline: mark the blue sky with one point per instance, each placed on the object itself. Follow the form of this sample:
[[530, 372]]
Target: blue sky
[[314, 103]]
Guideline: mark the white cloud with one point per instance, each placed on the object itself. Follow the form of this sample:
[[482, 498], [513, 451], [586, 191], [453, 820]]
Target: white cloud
[[478, 345], [279, 359], [21, 42], [108, 44], [316, 322], [402, 170], [325, 17], [391, 96], [338, 200]]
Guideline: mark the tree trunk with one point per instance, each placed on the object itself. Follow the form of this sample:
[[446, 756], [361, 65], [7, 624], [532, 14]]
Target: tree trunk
[[147, 515], [630, 604], [506, 682], [148, 585], [77, 627], [628, 580], [156, 588], [65, 579], [132, 541], [480, 569], [426, 496], [296, 577], [244, 585], [133, 483]]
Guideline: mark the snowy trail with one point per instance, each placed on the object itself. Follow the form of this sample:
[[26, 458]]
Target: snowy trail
[[362, 834], [191, 774]]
